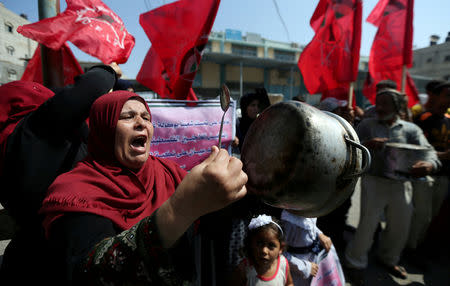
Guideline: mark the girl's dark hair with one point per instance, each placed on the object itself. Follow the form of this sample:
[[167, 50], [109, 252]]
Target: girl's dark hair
[[270, 226]]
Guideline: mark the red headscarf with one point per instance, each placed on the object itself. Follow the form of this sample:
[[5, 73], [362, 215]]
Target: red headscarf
[[101, 185], [18, 99]]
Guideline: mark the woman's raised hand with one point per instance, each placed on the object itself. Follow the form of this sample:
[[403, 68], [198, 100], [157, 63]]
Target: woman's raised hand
[[213, 184]]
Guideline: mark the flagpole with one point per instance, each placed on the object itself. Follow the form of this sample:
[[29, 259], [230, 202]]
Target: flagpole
[[52, 61], [350, 94], [403, 79]]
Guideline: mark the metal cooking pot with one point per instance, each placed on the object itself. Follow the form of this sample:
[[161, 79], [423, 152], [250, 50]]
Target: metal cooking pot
[[298, 157], [399, 158]]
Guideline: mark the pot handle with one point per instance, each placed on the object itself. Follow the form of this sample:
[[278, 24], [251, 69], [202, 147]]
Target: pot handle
[[367, 159]]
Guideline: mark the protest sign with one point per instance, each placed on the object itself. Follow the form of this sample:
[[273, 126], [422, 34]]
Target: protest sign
[[186, 130]]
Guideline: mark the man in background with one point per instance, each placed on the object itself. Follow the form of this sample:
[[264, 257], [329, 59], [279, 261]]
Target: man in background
[[433, 202]]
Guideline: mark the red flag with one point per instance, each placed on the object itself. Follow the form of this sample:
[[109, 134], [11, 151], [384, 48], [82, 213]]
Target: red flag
[[178, 31], [154, 76], [88, 24], [72, 68], [332, 57], [392, 47]]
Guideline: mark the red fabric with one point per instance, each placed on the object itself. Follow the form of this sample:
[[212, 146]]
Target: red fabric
[[332, 57], [88, 24], [71, 67], [18, 99], [154, 76], [318, 17], [178, 31], [392, 46], [100, 185]]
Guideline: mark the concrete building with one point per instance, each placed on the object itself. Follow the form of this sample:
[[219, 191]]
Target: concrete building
[[14, 48], [246, 62], [433, 61]]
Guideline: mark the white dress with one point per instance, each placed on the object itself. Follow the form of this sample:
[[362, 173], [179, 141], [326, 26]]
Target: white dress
[[300, 232], [278, 279]]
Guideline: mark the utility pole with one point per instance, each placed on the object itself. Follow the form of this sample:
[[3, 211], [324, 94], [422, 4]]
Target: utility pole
[[52, 61]]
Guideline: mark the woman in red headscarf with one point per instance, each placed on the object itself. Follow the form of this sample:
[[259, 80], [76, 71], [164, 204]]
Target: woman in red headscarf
[[42, 134], [115, 217]]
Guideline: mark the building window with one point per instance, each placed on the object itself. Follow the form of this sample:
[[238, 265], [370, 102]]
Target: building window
[[10, 50], [9, 28], [429, 60], [12, 74], [447, 58], [243, 50], [284, 56]]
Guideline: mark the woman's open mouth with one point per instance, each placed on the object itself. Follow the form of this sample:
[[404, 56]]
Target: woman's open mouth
[[138, 143]]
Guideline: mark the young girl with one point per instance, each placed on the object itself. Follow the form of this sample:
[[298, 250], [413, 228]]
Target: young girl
[[264, 263], [305, 241]]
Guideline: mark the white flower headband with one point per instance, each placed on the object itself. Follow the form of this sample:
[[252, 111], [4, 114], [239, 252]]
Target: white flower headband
[[262, 220]]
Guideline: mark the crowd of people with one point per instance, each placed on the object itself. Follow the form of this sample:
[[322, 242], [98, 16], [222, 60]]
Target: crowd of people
[[414, 208], [93, 207]]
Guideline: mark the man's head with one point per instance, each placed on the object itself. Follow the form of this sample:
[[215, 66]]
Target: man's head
[[387, 83], [331, 104], [388, 104], [431, 85], [439, 99]]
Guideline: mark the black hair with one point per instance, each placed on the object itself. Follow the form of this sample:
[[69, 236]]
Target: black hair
[[270, 226], [440, 87], [260, 94], [432, 84]]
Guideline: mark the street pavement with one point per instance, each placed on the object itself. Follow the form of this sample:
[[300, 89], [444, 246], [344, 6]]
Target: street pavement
[[436, 274]]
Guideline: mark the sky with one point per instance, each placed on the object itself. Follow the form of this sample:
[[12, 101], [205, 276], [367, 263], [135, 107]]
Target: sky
[[256, 16]]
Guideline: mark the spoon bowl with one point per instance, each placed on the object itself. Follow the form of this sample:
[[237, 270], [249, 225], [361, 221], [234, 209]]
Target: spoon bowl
[[224, 104]]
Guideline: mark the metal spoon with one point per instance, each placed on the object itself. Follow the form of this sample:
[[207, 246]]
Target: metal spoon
[[224, 104]]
